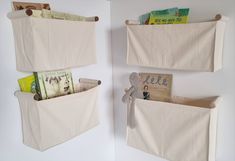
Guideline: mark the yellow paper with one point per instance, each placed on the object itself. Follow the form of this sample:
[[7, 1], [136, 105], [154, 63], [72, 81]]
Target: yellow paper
[[27, 84]]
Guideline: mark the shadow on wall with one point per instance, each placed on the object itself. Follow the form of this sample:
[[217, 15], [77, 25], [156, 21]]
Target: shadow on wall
[[119, 46], [119, 49]]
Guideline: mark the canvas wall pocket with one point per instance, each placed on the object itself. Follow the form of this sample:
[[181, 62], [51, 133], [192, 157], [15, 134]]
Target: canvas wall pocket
[[50, 122], [168, 47], [43, 44], [181, 130]]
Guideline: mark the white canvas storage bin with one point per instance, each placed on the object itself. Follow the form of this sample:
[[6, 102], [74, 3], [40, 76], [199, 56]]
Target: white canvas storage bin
[[184, 130], [194, 47], [50, 44], [47, 123]]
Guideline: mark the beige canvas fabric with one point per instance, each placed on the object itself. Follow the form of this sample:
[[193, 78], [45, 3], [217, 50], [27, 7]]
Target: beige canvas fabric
[[194, 47], [183, 130], [49, 44], [50, 122]]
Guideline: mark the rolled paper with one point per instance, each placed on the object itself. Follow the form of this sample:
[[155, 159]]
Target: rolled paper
[[94, 18], [49, 14], [220, 17], [89, 81], [86, 84], [24, 13], [132, 22], [37, 97], [66, 16]]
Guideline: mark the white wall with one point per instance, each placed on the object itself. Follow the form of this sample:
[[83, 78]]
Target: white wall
[[96, 144], [184, 83]]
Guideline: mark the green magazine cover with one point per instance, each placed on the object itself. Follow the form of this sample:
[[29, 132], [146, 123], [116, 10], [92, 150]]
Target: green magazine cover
[[169, 16]]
